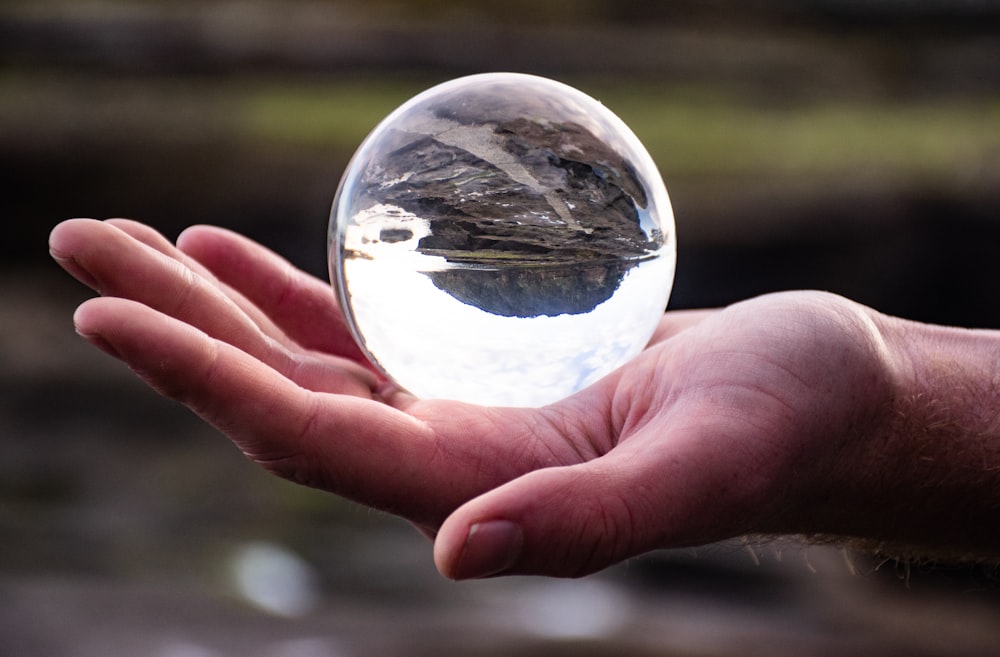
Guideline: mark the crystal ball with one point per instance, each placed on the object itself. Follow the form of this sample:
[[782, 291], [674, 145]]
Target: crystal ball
[[501, 239]]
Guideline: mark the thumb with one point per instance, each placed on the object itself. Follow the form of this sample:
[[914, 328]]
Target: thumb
[[562, 521]]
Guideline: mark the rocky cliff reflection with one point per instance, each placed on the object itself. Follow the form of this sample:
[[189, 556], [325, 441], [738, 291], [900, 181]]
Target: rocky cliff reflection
[[535, 290], [537, 217]]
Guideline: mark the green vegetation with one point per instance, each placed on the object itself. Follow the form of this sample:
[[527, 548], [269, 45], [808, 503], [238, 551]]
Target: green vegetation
[[689, 131], [935, 137], [324, 114]]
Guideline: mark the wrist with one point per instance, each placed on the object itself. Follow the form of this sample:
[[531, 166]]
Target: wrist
[[927, 481]]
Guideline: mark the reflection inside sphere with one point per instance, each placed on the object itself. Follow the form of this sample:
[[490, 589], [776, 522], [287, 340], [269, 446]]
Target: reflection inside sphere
[[501, 239]]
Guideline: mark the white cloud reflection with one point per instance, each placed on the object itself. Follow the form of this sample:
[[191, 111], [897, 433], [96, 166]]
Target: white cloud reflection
[[439, 347]]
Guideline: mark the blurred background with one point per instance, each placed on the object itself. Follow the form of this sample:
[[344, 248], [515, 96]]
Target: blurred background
[[846, 145]]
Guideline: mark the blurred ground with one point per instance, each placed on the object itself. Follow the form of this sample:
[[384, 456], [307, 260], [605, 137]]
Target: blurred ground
[[838, 145]]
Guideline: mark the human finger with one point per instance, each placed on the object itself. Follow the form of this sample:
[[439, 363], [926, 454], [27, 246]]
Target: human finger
[[311, 370], [574, 520], [304, 307], [338, 443], [156, 240], [117, 265], [675, 321], [350, 446]]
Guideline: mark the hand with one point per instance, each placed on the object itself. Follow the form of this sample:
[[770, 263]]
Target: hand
[[737, 421]]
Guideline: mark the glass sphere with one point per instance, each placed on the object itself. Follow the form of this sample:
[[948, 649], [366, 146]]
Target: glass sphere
[[501, 239]]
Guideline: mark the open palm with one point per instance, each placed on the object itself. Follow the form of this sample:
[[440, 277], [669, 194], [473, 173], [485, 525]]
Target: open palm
[[709, 433]]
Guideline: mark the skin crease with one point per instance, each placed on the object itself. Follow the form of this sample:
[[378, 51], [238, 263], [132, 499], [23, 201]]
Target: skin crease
[[791, 413]]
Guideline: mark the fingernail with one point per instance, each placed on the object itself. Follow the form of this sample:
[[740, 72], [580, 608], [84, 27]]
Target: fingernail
[[99, 342], [70, 264], [490, 548]]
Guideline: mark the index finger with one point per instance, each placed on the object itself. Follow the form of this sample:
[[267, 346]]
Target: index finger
[[354, 447], [304, 307]]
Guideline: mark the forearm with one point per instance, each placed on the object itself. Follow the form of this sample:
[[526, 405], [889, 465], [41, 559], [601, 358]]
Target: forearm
[[929, 482]]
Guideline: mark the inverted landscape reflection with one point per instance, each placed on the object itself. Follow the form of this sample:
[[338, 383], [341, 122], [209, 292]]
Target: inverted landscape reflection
[[502, 239]]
